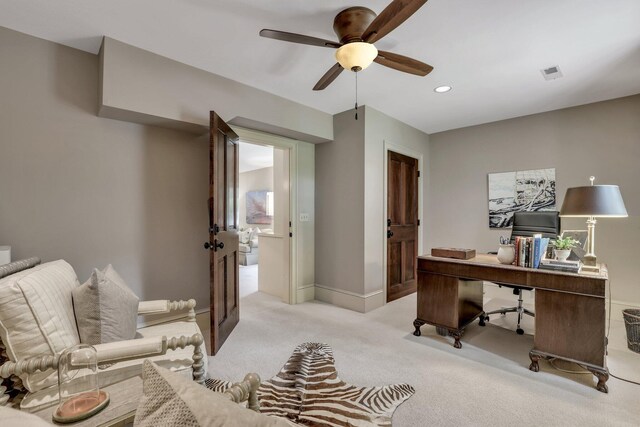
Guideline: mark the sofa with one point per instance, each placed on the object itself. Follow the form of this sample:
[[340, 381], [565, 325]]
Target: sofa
[[248, 246], [37, 319]]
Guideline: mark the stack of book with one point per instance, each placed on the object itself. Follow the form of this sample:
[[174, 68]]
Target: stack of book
[[530, 250], [554, 264]]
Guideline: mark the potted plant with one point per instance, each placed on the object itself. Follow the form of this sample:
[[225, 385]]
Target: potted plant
[[563, 246]]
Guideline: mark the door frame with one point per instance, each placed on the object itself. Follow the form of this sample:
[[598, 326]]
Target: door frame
[[389, 146], [265, 139]]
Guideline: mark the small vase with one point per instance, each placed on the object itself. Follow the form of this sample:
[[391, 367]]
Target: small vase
[[507, 254], [562, 254]]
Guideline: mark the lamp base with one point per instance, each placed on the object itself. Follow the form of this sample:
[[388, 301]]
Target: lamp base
[[589, 260], [590, 269]]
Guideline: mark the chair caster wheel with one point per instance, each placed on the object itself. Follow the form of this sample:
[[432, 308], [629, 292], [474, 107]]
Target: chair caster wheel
[[520, 331], [486, 318]]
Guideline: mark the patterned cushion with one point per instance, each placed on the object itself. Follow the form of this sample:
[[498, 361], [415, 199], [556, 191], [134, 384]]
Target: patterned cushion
[[16, 266], [106, 309], [36, 316], [170, 400]]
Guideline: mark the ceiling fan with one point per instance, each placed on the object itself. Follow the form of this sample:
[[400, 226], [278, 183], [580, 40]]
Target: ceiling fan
[[358, 28]]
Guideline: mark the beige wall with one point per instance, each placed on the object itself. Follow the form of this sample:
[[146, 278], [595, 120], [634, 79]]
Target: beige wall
[[141, 86], [350, 206], [255, 180], [91, 190], [381, 132], [601, 139], [340, 207]]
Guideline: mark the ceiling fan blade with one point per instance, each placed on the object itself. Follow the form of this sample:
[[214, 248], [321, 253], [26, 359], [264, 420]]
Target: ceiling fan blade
[[390, 18], [298, 38], [403, 63], [328, 77]]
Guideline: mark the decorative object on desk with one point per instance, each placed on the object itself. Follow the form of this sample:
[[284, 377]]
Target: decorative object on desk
[[79, 393], [530, 250], [5, 255], [556, 265], [591, 202], [507, 254], [259, 207], [580, 250], [632, 324], [563, 246], [510, 192], [457, 253]]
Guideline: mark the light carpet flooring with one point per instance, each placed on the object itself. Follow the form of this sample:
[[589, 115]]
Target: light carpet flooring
[[486, 383], [248, 276]]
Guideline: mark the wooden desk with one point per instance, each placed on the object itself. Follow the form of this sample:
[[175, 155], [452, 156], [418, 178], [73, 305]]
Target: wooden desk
[[570, 316]]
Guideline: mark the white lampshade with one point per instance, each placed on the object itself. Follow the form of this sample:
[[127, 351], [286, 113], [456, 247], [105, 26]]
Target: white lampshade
[[356, 56]]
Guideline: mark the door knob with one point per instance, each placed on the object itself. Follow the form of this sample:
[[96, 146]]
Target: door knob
[[389, 234], [213, 246]]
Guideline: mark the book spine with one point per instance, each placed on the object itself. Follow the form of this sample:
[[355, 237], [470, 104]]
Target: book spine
[[517, 249], [537, 251]]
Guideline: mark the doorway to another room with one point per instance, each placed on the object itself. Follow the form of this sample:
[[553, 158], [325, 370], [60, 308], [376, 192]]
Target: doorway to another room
[[263, 210]]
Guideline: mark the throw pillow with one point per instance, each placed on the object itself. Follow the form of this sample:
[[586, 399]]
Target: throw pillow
[[244, 236], [36, 316], [106, 309], [170, 399]]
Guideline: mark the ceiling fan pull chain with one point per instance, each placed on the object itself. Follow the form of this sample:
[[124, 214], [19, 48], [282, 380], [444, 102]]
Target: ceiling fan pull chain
[[356, 95]]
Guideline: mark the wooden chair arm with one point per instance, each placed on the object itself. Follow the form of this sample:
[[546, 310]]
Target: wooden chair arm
[[246, 390], [117, 352], [166, 306]]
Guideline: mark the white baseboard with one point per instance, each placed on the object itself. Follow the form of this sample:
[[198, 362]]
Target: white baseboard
[[349, 300], [306, 293]]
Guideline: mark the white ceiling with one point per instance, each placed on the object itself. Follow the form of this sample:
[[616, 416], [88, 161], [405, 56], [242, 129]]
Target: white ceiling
[[490, 51], [252, 157]]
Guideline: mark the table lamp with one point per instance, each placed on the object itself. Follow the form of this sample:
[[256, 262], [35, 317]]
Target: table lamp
[[591, 202]]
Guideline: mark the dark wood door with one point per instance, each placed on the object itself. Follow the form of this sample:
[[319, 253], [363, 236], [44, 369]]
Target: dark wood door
[[223, 231], [402, 225]]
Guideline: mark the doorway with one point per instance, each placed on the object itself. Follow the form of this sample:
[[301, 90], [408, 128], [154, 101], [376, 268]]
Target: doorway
[[402, 222], [264, 237], [255, 209]]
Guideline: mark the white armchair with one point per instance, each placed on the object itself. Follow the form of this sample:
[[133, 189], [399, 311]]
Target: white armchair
[[36, 308]]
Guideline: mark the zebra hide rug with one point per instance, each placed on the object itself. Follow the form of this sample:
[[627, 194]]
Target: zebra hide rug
[[308, 391]]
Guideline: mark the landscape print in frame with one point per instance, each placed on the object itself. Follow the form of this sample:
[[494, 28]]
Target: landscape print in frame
[[510, 192]]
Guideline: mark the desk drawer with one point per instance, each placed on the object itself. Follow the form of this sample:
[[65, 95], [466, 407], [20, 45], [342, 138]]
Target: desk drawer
[[448, 301]]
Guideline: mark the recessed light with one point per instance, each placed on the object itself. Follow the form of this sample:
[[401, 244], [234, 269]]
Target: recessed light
[[442, 89]]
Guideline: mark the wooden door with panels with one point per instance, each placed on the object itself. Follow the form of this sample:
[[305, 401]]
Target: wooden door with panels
[[402, 225], [223, 231]]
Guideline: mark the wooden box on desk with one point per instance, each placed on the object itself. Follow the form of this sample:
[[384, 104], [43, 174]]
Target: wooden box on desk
[[456, 253]]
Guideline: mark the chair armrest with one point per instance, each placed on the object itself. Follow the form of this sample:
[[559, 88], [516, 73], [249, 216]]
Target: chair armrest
[[246, 390], [114, 352], [162, 306]]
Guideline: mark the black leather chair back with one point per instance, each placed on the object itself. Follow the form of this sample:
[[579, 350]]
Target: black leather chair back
[[526, 224]]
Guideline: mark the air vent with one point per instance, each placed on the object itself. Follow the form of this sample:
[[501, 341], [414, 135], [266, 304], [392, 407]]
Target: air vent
[[551, 73]]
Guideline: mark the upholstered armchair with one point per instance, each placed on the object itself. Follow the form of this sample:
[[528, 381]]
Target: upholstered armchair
[[37, 322]]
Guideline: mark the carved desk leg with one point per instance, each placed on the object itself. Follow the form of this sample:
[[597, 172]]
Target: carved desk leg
[[603, 377], [535, 367], [456, 336], [416, 324]]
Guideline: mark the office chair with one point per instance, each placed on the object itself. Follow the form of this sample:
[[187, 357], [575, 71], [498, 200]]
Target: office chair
[[526, 224]]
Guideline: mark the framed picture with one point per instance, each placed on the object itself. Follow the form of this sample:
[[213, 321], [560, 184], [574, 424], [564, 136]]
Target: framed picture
[[579, 251], [510, 192], [259, 207]]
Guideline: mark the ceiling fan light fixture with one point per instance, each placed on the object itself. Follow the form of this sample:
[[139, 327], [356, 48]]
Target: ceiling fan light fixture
[[442, 89], [356, 56]]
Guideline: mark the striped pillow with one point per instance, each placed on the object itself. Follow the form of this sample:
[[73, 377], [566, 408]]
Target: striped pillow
[[36, 316]]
